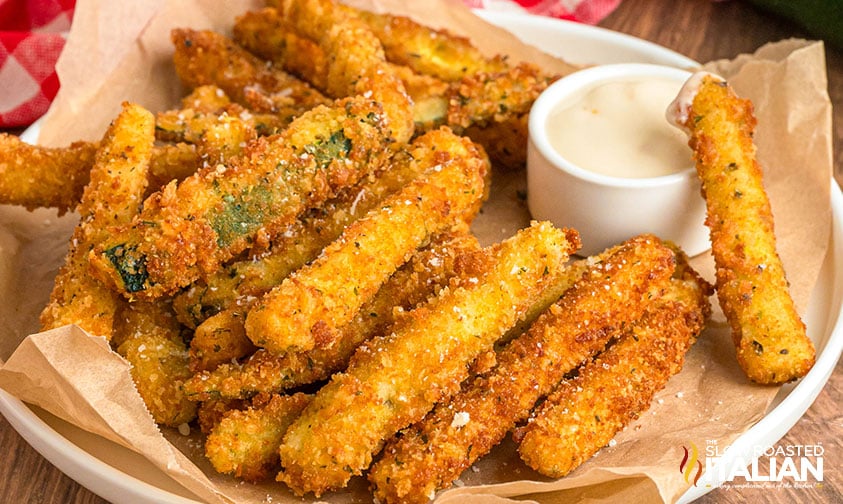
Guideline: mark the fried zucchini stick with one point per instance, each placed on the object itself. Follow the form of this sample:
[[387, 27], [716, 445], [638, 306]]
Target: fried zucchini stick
[[55, 177], [429, 51], [191, 126], [188, 230], [245, 442], [265, 33], [34, 176], [239, 284], [358, 64], [423, 276], [204, 57], [612, 294], [268, 35], [485, 98], [394, 380], [150, 338], [112, 197], [306, 310], [583, 414], [770, 338]]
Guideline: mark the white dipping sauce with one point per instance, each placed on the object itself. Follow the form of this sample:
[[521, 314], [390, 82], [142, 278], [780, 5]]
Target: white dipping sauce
[[619, 129]]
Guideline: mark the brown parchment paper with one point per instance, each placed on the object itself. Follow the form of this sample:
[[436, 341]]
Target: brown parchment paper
[[120, 50]]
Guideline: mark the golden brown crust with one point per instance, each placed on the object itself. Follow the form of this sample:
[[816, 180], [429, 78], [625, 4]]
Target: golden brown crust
[[117, 182], [772, 346], [584, 413], [612, 294], [204, 57], [423, 276], [149, 337], [393, 381], [307, 309], [33, 176], [244, 442]]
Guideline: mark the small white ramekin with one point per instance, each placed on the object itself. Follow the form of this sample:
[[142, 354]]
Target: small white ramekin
[[607, 210]]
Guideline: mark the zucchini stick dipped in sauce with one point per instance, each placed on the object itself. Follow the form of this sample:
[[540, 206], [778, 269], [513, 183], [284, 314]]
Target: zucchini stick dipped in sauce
[[770, 337], [394, 380]]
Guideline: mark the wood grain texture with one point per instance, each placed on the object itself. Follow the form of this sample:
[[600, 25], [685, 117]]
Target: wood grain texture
[[700, 29]]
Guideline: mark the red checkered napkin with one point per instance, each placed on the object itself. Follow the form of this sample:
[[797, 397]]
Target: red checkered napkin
[[32, 34], [584, 11]]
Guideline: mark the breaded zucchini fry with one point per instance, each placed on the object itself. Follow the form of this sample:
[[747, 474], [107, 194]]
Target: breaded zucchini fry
[[772, 345], [429, 51], [423, 276], [265, 33], [219, 339], [485, 98], [191, 125], [268, 35], [204, 57], [117, 182], [55, 177], [150, 338], [583, 414], [220, 212], [394, 380], [33, 176], [357, 65], [245, 442], [188, 230], [612, 294], [309, 307], [239, 284]]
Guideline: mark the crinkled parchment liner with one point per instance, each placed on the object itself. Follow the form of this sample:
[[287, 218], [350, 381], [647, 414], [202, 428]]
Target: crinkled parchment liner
[[119, 50]]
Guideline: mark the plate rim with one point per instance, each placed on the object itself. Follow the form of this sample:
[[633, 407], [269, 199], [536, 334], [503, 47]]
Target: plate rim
[[113, 484]]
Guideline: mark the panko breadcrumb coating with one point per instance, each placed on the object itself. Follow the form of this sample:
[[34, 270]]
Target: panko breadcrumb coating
[[770, 338], [423, 276], [584, 413], [309, 307], [112, 197], [394, 380], [612, 294], [245, 442]]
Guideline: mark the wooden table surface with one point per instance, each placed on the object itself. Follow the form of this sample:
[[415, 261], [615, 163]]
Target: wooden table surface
[[703, 30]]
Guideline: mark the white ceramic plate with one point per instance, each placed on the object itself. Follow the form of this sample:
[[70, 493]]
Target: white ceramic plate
[[119, 475]]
